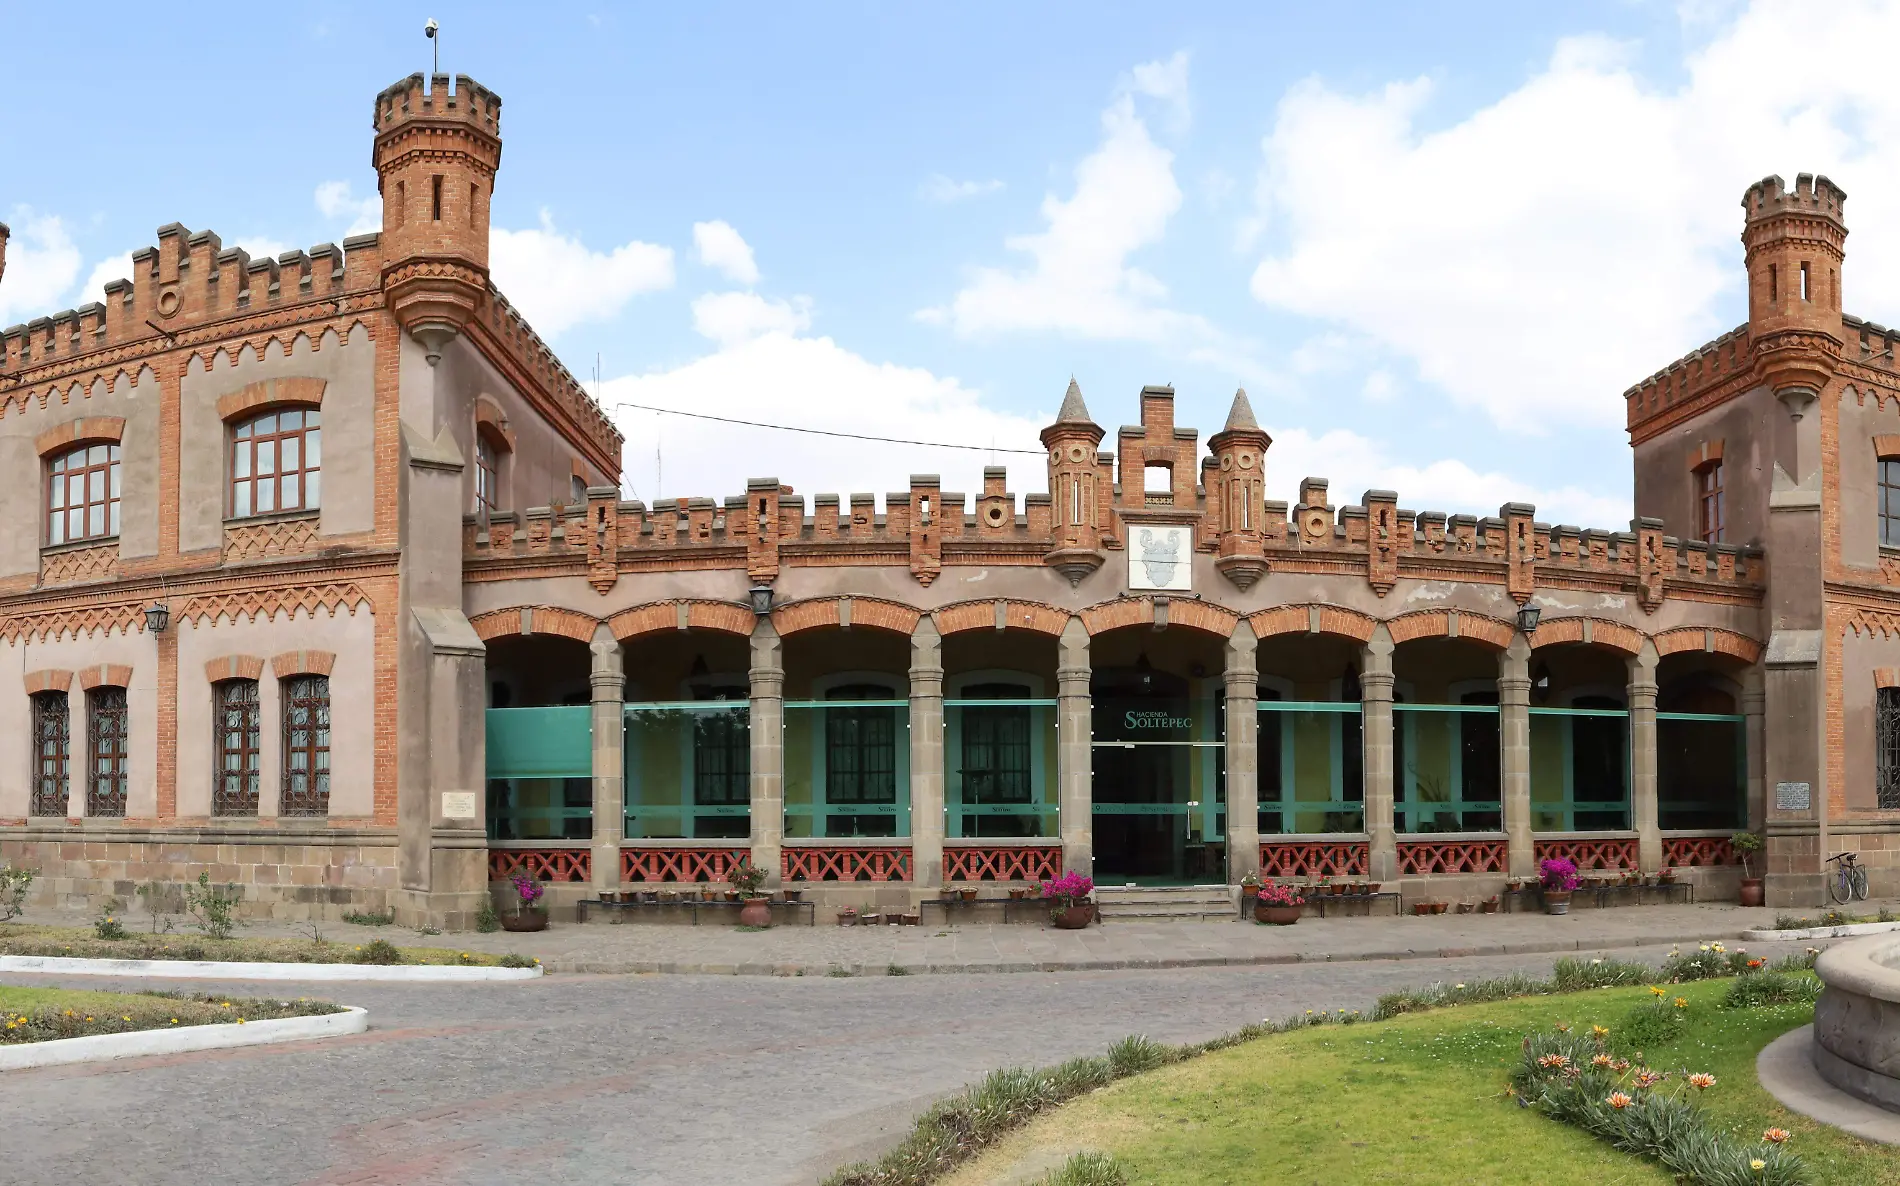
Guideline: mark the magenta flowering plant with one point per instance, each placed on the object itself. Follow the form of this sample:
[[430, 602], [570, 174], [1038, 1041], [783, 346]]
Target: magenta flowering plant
[[1558, 874], [1272, 893], [1070, 889], [527, 890]]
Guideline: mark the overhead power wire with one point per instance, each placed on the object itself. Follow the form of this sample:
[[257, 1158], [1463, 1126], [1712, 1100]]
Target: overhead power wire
[[825, 432]]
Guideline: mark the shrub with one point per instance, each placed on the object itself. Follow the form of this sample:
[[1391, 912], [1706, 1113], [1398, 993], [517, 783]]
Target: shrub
[[1575, 975], [486, 920], [107, 925], [377, 951], [1087, 1169], [211, 909], [1754, 989], [512, 960], [13, 886], [1070, 889], [1657, 1023], [1708, 961], [370, 920], [1557, 874]]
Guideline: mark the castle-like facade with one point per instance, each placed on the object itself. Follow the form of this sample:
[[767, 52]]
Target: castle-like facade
[[317, 576]]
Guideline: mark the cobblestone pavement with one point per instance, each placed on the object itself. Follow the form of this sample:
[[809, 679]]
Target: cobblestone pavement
[[648, 1080], [717, 947]]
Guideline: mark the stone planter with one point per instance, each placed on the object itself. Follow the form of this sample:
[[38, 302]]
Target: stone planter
[[1072, 918], [757, 912], [1279, 916], [525, 920], [1556, 901]]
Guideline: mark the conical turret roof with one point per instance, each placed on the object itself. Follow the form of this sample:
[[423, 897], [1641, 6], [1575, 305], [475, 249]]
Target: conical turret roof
[[1074, 411], [1240, 416]]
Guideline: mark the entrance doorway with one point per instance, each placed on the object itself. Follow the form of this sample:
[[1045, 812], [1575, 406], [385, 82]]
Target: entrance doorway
[[1158, 778]]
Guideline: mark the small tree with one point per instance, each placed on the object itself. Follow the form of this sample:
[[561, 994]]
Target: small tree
[[13, 886], [1746, 845]]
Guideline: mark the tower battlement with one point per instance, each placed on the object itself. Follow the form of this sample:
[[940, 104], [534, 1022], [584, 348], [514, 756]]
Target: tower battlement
[[411, 100], [1812, 195]]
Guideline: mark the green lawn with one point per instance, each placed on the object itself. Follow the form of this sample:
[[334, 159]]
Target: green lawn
[[42, 1014], [25, 939], [1418, 1099]]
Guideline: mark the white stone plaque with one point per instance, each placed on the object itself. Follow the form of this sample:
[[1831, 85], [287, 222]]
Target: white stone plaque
[[1160, 558], [458, 804], [1794, 796]]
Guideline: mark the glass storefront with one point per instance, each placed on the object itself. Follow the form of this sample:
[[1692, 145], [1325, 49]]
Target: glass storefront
[[1312, 766], [688, 770], [1701, 771], [847, 765], [1158, 767], [1580, 767], [1447, 767], [999, 763], [540, 773]]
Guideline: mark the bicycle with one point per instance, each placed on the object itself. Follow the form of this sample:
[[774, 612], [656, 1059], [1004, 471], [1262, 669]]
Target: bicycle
[[1850, 880]]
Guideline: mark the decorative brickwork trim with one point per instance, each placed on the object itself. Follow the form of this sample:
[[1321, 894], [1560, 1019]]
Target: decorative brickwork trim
[[645, 619], [1199, 615], [105, 675], [534, 619], [1595, 631], [845, 612], [1300, 619], [1009, 862], [1693, 851], [1698, 638], [1887, 677], [113, 619], [1428, 623], [248, 604], [266, 394], [1141, 611], [1887, 446], [79, 564], [85, 430], [278, 537], [1116, 615], [1004, 615], [679, 864], [491, 422], [1438, 623], [305, 662], [48, 681], [233, 667], [722, 616]]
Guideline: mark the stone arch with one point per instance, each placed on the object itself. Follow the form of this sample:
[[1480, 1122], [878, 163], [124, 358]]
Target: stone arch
[[1312, 619], [1442, 623], [1160, 612], [1594, 631], [722, 616], [1708, 638], [85, 430], [535, 619], [844, 612], [1001, 615]]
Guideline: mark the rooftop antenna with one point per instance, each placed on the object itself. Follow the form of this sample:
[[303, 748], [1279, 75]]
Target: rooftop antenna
[[429, 30]]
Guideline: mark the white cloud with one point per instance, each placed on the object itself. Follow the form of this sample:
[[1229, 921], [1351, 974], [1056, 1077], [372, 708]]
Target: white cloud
[[1166, 81], [944, 190], [558, 283], [1538, 257], [336, 201], [1079, 280], [42, 264], [813, 383], [1353, 464], [723, 249], [118, 267], [732, 318]]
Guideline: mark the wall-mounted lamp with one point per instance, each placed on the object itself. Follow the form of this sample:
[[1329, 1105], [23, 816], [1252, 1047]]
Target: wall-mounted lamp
[[1527, 618], [761, 599], [157, 616]]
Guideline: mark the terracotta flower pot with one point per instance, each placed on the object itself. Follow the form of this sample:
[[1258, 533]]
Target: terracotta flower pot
[[793, 895], [968, 895], [1249, 892], [1489, 905], [1019, 893], [757, 912], [1556, 901], [1073, 918], [1279, 916], [1439, 907], [1751, 891], [525, 920], [1421, 909]]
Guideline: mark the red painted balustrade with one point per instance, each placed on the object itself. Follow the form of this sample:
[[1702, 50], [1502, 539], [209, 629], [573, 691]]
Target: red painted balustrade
[[997, 862], [1694, 851], [1315, 858], [1453, 856], [541, 864], [1615, 853], [678, 864], [838, 863]]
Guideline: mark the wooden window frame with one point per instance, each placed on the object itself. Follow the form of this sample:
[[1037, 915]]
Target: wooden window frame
[[234, 790], [1711, 502], [487, 475], [306, 712], [60, 476], [52, 755], [108, 730], [248, 438]]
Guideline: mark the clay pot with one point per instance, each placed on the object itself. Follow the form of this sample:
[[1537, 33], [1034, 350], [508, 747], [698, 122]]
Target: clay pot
[[793, 895], [1421, 909], [1440, 907], [757, 912], [1073, 918], [1249, 892], [1279, 916], [847, 917], [1556, 901], [1751, 891], [968, 895], [525, 920], [1019, 893], [1489, 905]]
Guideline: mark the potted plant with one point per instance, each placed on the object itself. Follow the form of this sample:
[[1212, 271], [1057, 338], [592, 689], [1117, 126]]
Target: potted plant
[[1068, 898], [1666, 876], [1277, 905], [1746, 845], [1489, 905], [1249, 890], [1558, 877], [526, 916], [747, 879], [967, 893], [848, 916]]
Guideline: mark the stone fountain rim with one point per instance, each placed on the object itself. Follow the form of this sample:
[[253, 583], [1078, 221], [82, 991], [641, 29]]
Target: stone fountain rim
[[1851, 967]]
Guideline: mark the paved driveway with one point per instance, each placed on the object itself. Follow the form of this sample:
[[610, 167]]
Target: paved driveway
[[660, 1080]]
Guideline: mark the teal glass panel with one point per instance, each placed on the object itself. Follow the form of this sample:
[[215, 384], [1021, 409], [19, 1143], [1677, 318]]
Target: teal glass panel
[[1312, 767], [1000, 768], [1447, 774], [1580, 769], [847, 768], [688, 771], [1158, 768], [541, 742], [1701, 771]]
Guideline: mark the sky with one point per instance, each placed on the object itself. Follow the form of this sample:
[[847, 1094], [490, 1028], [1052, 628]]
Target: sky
[[1435, 244]]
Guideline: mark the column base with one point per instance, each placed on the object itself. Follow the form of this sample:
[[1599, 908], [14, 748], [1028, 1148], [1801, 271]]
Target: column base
[[605, 861]]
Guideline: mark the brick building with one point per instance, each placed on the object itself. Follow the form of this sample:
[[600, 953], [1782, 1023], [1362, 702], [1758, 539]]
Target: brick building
[[317, 576]]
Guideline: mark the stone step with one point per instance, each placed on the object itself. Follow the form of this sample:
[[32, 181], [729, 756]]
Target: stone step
[[1208, 913], [1187, 903]]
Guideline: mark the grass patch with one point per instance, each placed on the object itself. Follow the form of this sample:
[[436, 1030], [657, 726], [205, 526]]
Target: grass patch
[[46, 1014], [1421, 1098], [82, 943]]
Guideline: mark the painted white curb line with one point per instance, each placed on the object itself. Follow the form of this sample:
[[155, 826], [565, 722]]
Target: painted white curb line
[[1840, 932], [212, 1036], [220, 970]]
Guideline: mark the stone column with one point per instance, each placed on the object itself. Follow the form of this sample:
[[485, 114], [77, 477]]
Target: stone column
[[1754, 741], [1075, 771], [1642, 704], [766, 728], [1375, 723], [926, 757], [1243, 755], [607, 677], [1514, 738]]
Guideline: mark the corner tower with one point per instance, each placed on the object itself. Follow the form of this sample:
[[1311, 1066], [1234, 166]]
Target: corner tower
[[436, 155], [1795, 243], [1239, 490], [1076, 495]]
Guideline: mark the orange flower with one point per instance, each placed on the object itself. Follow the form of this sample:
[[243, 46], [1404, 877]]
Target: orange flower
[[1602, 1060], [1618, 1100], [1775, 1136], [1553, 1060], [1756, 962], [1702, 1081]]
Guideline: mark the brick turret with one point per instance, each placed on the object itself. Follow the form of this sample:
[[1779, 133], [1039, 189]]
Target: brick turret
[[1237, 492], [1077, 500], [1795, 247], [436, 156]]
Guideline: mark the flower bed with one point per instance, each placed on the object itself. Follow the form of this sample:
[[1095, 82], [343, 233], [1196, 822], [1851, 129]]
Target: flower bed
[[81, 943], [50, 1014]]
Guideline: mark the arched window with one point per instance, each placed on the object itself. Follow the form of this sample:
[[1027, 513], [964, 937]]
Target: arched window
[[52, 753], [306, 746], [276, 463], [82, 495], [105, 751], [1710, 519], [238, 742]]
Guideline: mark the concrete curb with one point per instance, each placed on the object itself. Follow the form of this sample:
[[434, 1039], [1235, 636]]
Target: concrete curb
[[1847, 931], [221, 970], [860, 968], [215, 1035]]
